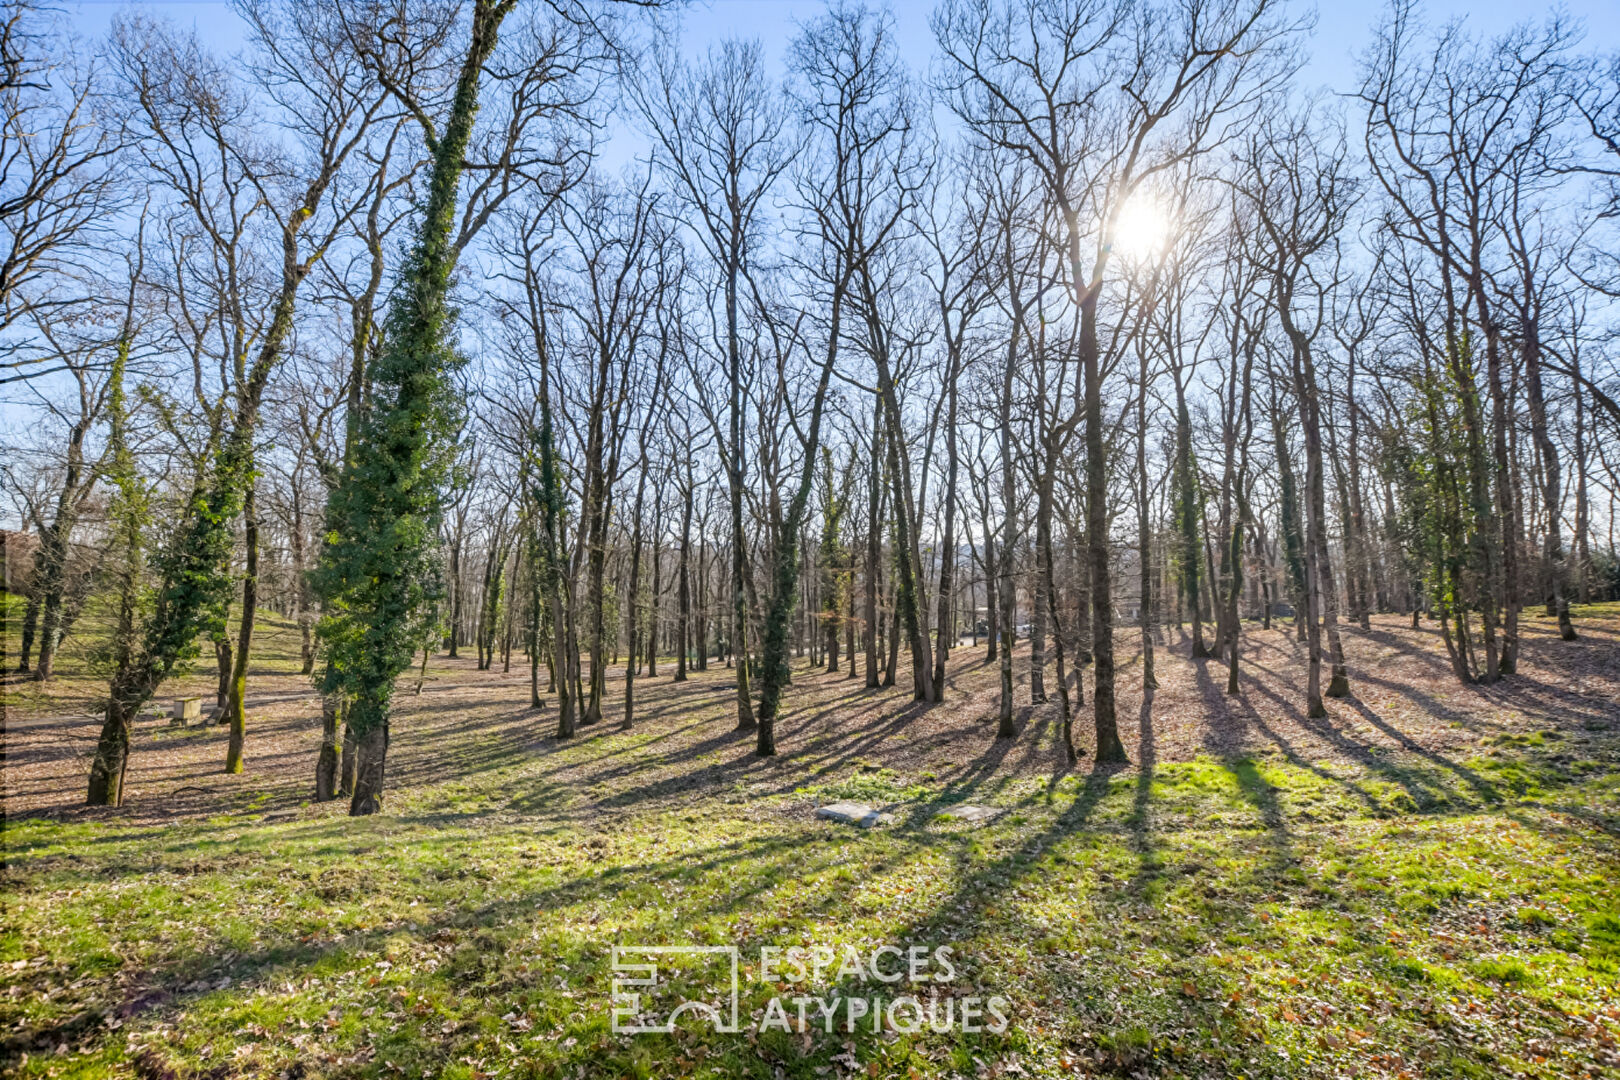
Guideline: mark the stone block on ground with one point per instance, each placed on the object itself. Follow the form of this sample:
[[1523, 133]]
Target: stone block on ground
[[852, 813], [970, 813], [187, 711]]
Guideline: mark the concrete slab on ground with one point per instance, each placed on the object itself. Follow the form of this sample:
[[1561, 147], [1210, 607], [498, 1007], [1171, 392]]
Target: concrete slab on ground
[[852, 813], [973, 814]]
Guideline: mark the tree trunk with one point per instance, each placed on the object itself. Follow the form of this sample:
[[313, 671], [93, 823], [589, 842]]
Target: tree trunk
[[236, 705], [223, 660], [301, 589], [849, 614], [49, 586], [907, 553], [632, 601], [1005, 728], [1144, 528], [1552, 486], [1189, 504], [351, 750], [112, 753], [683, 587], [1506, 513], [1583, 550], [1110, 750], [372, 756], [701, 643], [30, 623], [454, 637], [735, 473], [874, 545], [1357, 553], [326, 764]]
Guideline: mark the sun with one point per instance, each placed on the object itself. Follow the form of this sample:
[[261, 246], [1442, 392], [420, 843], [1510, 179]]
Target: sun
[[1142, 228]]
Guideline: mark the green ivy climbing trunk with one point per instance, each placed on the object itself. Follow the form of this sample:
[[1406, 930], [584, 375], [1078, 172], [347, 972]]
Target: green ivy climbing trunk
[[380, 571]]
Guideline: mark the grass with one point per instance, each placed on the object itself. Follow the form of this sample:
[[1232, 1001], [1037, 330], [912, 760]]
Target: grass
[[1226, 914], [456, 937], [80, 682]]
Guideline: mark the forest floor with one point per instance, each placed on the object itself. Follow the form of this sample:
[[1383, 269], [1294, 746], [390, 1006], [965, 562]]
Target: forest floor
[[1421, 884]]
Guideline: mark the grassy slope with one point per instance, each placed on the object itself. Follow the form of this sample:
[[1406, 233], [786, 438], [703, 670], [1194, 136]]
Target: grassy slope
[[80, 682], [1234, 916]]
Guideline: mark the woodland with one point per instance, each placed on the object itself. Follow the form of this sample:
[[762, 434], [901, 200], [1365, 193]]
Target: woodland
[[482, 476]]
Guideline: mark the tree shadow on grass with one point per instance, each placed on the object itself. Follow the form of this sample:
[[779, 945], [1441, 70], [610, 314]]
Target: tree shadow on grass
[[1149, 867], [1482, 787], [190, 972], [1252, 785], [1427, 789]]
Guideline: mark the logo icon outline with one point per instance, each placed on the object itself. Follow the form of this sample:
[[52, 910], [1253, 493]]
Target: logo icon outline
[[628, 974]]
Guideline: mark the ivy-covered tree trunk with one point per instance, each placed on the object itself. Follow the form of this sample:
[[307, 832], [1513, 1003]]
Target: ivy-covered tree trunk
[[50, 578], [380, 573], [534, 623], [1293, 545], [1189, 508], [45, 601], [236, 700], [194, 569], [346, 767], [773, 660], [1486, 554], [127, 519]]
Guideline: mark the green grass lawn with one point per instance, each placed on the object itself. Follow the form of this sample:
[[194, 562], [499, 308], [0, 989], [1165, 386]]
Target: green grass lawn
[[1214, 918], [80, 680], [1391, 910]]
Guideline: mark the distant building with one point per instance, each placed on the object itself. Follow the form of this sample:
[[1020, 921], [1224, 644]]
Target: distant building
[[16, 559]]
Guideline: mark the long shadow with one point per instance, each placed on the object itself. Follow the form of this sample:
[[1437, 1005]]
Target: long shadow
[[1255, 787], [177, 985], [1567, 704], [1149, 867], [1420, 793], [970, 780], [1483, 787], [1290, 753], [978, 887], [1397, 645]]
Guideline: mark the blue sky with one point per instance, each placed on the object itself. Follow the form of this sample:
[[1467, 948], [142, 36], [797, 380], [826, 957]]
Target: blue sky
[[1342, 28]]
